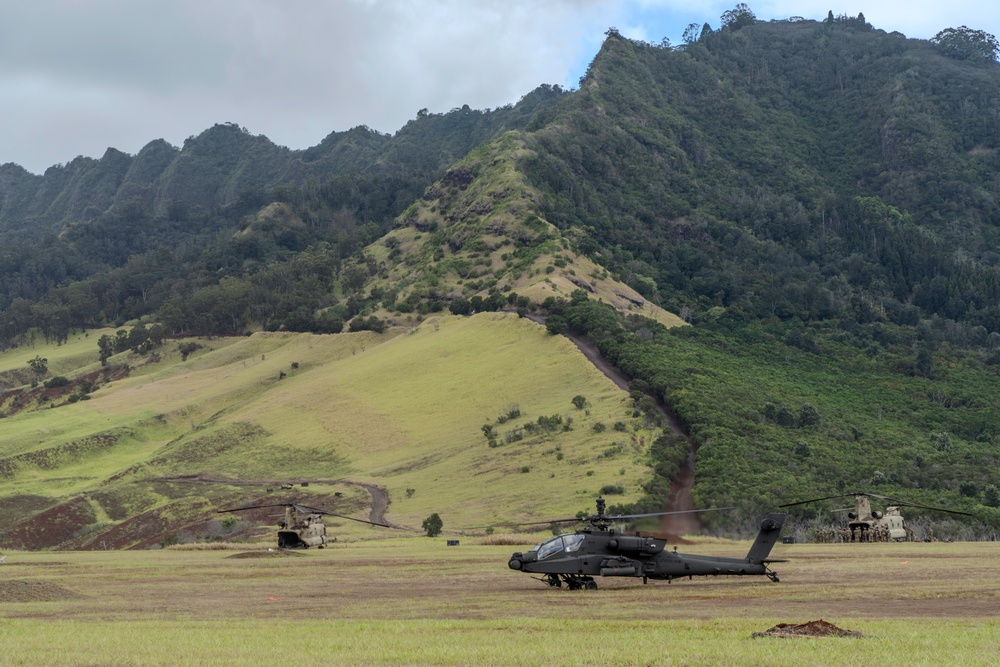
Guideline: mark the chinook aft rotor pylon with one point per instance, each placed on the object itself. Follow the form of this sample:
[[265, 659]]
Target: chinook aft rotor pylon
[[868, 525], [302, 526], [576, 558]]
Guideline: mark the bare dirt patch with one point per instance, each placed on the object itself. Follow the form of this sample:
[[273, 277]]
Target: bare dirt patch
[[818, 628], [276, 553]]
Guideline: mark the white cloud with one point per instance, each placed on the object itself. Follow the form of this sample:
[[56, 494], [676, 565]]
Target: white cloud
[[78, 76]]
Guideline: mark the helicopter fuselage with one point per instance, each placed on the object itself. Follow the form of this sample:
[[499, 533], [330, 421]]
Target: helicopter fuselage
[[575, 558], [301, 532]]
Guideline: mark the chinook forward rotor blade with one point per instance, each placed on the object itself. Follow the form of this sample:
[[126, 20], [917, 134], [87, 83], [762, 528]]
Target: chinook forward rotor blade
[[816, 500], [305, 509], [254, 507]]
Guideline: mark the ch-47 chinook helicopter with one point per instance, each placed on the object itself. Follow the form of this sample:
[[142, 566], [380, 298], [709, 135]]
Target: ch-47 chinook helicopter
[[575, 558], [303, 526], [868, 525]]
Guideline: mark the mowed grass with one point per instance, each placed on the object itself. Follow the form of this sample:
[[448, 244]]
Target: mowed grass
[[404, 411], [417, 601]]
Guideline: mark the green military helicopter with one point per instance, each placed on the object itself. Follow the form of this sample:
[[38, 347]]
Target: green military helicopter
[[576, 558], [303, 526]]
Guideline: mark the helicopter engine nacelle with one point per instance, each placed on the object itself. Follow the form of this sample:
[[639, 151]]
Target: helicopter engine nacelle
[[852, 516], [646, 545], [876, 514]]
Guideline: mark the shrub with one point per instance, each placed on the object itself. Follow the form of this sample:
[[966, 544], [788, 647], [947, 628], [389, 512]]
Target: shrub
[[579, 401], [433, 525], [187, 348], [808, 415], [969, 489], [612, 490]]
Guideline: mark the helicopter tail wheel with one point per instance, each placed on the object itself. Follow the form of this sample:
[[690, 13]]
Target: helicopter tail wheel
[[773, 576]]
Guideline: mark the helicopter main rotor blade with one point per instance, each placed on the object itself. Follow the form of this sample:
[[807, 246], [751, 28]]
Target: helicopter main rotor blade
[[616, 517], [816, 500], [592, 517], [903, 503], [305, 509], [254, 507]]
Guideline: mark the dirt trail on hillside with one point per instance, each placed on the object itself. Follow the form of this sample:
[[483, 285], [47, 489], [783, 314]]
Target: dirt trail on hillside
[[680, 489]]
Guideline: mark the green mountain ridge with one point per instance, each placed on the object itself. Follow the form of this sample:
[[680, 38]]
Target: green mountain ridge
[[215, 168], [820, 201]]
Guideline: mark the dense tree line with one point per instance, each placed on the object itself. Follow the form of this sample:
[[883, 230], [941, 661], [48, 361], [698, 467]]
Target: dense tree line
[[774, 418]]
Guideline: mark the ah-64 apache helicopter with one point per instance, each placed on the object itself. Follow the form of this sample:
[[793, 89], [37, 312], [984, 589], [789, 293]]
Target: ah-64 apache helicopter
[[303, 526], [868, 525], [575, 558]]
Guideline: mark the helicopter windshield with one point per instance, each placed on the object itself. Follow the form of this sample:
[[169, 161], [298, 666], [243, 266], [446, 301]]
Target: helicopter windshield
[[566, 543]]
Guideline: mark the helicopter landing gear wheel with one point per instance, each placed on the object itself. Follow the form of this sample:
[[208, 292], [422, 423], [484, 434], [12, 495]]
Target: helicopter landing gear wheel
[[576, 582], [773, 576]]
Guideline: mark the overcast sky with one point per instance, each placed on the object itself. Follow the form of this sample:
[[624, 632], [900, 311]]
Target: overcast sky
[[79, 76]]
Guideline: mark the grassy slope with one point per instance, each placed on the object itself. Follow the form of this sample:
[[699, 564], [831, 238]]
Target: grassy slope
[[478, 229], [403, 412]]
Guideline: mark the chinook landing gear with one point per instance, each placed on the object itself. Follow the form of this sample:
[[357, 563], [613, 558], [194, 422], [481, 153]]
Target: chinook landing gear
[[772, 575], [574, 582]]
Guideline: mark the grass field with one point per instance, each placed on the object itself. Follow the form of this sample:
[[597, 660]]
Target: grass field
[[417, 601]]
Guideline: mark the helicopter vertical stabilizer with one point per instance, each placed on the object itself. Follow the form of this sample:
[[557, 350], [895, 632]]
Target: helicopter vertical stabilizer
[[770, 530]]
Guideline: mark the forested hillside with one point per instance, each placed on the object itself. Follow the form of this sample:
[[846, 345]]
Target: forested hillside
[[819, 199]]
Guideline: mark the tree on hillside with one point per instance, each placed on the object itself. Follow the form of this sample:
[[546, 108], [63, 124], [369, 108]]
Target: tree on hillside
[[738, 17], [964, 43], [433, 525], [691, 33], [39, 365]]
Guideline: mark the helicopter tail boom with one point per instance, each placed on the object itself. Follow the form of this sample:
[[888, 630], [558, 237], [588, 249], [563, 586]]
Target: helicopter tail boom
[[770, 531]]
